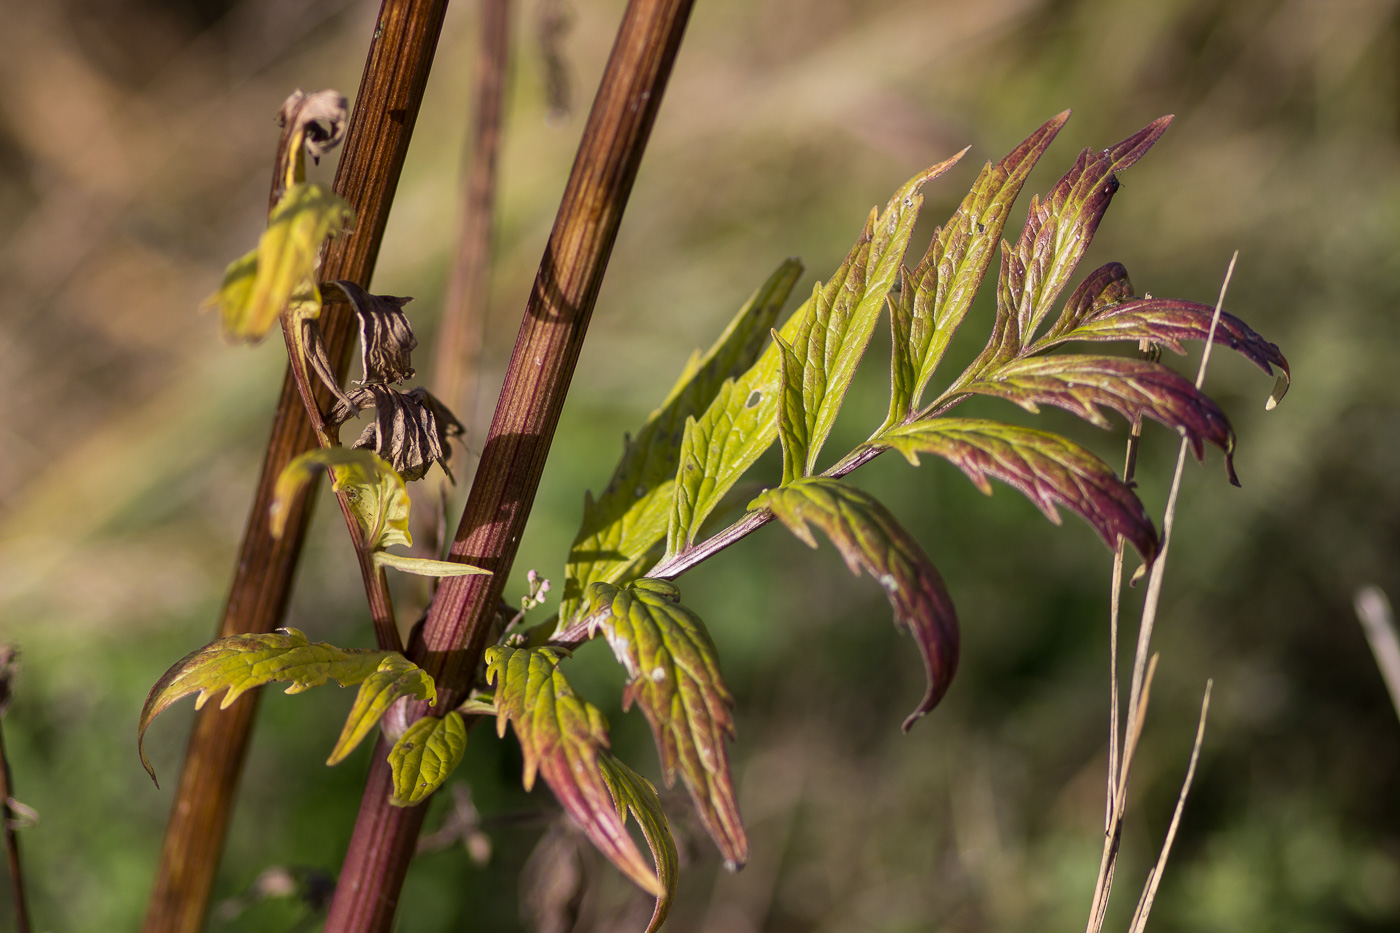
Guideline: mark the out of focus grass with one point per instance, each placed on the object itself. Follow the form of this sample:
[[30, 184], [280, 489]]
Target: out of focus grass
[[133, 145]]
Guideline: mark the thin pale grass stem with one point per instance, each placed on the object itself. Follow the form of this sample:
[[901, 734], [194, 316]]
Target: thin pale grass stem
[[1103, 887], [1378, 621], [1154, 877], [1142, 667]]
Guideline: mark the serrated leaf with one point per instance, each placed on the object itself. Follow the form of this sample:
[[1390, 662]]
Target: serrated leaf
[[942, 286], [253, 295], [1134, 388], [871, 539], [1046, 468], [425, 756], [634, 793], [673, 672], [742, 421], [241, 662], [831, 339], [1106, 286], [425, 567], [631, 515], [563, 737], [792, 415], [1170, 323], [376, 493], [1060, 227], [395, 677]]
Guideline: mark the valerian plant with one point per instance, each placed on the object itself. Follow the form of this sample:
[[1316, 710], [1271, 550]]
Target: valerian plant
[[767, 379]]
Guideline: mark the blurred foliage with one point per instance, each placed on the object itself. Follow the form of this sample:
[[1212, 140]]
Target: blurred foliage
[[135, 142]]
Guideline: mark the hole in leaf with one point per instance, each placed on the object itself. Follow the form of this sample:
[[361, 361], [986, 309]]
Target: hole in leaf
[[753, 398]]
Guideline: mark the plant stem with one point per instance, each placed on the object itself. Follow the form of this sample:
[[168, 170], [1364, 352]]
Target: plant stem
[[458, 341], [396, 72], [8, 656], [537, 380]]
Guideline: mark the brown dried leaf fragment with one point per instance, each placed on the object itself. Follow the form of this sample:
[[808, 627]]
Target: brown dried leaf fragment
[[411, 429], [386, 338]]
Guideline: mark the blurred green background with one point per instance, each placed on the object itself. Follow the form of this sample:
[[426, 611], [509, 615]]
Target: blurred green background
[[135, 137]]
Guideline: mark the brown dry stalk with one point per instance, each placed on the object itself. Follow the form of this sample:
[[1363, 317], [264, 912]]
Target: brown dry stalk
[[537, 380], [396, 72], [458, 339]]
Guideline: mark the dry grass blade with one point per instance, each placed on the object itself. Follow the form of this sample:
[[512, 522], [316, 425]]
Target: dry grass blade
[[1143, 668], [1154, 877], [1378, 621]]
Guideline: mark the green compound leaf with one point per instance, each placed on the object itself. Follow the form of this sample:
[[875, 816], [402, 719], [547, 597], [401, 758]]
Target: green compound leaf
[[632, 792], [376, 493], [1059, 229], [395, 677], [259, 285], [937, 295], [631, 515], [1046, 468], [1133, 388], [241, 662], [829, 333], [673, 671], [425, 567], [871, 539], [831, 339], [564, 739], [425, 756]]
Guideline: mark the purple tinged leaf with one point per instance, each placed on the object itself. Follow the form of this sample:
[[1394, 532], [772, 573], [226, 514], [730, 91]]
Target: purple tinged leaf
[[565, 739], [1134, 388], [1046, 468], [871, 539], [946, 280], [1106, 286], [673, 671], [1060, 227], [1171, 322]]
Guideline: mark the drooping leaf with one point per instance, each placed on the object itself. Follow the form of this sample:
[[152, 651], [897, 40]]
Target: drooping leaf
[[425, 756], [1170, 323], [1060, 227], [831, 338], [386, 338], [632, 792], [563, 738], [939, 291], [1046, 468], [285, 261], [411, 429], [631, 515], [395, 677], [871, 539], [376, 493], [1132, 387], [241, 662], [673, 672], [425, 567]]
